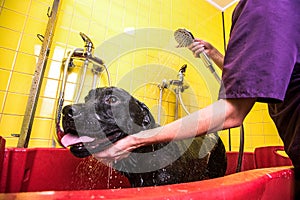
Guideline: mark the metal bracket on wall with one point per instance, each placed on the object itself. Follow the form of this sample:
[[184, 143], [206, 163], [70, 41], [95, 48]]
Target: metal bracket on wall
[[38, 77]]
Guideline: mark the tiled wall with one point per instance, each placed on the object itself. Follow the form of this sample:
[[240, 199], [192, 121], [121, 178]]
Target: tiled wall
[[137, 70]]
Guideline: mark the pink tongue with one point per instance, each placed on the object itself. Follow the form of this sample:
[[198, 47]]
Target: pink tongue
[[70, 139]]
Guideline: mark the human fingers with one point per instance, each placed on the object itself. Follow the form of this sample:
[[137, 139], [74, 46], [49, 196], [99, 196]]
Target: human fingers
[[117, 151], [112, 153], [198, 52], [108, 159], [197, 48], [206, 45], [198, 40]]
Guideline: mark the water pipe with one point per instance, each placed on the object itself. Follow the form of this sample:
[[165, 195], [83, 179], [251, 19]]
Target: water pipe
[[85, 55], [38, 76]]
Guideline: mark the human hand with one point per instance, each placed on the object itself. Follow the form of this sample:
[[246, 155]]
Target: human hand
[[118, 150], [198, 46]]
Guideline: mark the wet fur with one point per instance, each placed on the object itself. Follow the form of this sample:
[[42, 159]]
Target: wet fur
[[111, 113]]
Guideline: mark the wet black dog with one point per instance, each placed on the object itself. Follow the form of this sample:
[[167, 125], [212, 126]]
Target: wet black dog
[[110, 114]]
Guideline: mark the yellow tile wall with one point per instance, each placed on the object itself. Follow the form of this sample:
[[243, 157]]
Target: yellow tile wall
[[139, 70]]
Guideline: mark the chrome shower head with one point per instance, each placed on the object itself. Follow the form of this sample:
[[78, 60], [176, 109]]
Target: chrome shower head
[[183, 37]]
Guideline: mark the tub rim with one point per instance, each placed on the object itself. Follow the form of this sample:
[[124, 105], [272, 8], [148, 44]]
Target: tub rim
[[252, 184]]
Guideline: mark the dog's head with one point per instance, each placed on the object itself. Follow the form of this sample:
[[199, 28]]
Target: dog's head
[[108, 115]]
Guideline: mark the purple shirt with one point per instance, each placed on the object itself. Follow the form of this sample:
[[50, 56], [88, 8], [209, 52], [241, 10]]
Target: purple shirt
[[263, 61], [263, 49]]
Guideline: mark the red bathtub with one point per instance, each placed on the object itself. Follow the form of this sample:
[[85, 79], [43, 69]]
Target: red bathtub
[[51, 173]]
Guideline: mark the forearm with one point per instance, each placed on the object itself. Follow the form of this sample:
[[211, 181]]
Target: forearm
[[217, 58], [221, 115]]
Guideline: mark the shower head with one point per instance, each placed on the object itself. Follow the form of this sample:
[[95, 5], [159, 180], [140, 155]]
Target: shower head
[[186, 38], [183, 37]]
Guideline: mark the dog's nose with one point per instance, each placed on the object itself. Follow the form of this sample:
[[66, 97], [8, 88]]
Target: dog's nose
[[68, 110], [71, 111]]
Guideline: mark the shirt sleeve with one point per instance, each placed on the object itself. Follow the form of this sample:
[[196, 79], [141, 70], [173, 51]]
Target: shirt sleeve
[[261, 52]]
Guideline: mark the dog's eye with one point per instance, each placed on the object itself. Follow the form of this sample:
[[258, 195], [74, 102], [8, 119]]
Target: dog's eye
[[111, 100]]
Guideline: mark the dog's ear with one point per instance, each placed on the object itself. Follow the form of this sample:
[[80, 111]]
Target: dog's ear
[[91, 95]]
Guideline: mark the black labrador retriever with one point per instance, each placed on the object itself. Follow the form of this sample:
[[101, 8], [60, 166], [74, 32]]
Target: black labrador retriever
[[110, 114]]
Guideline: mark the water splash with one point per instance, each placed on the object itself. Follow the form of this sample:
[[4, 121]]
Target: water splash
[[88, 174], [109, 175], [91, 174]]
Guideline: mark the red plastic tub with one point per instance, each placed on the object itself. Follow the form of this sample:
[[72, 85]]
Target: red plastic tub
[[44, 169], [52, 173]]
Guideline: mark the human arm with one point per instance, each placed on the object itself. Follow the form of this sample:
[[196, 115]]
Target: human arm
[[198, 46], [223, 114]]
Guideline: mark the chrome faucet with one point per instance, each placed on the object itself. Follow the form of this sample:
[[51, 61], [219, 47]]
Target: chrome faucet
[[87, 52], [89, 46], [180, 82], [86, 55]]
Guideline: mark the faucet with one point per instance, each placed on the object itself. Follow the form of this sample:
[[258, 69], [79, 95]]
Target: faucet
[[89, 47], [180, 82], [87, 52], [178, 89], [181, 73], [86, 55]]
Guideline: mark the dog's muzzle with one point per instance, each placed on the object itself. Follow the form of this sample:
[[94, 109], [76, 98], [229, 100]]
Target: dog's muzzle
[[84, 135]]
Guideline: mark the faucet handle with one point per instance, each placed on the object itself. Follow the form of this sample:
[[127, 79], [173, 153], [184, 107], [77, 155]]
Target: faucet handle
[[87, 40], [183, 68], [85, 37], [88, 43]]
